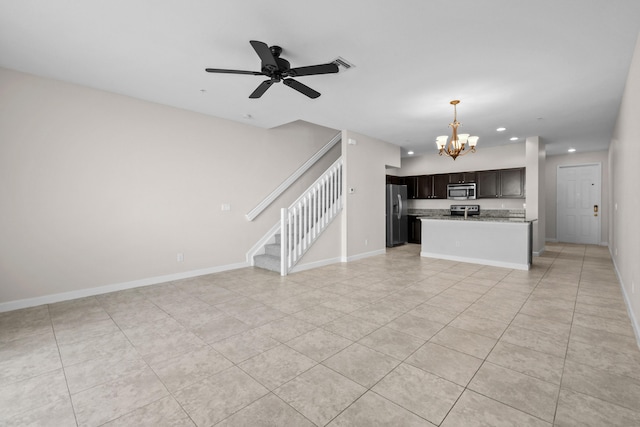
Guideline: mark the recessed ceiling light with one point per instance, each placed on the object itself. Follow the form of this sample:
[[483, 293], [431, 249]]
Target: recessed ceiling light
[[410, 153], [515, 138], [501, 129], [571, 150]]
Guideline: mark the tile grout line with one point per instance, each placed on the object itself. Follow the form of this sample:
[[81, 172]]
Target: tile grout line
[[64, 372], [466, 387], [564, 362]]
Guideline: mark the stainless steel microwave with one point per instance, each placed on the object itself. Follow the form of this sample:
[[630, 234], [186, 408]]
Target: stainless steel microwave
[[461, 191]]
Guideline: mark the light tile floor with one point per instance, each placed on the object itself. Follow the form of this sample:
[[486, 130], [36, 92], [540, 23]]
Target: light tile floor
[[392, 340]]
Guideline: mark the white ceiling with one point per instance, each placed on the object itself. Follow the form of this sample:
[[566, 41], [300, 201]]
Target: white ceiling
[[553, 68]]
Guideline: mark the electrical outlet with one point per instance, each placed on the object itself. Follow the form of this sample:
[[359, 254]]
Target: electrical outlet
[[226, 207], [180, 257], [366, 242]]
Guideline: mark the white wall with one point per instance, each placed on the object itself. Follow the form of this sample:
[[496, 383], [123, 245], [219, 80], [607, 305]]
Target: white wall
[[98, 189], [502, 157], [535, 187], [624, 160], [364, 223], [551, 184]]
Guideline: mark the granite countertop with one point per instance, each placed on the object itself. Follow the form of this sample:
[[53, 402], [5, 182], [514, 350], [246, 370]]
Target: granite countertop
[[491, 215], [477, 218]]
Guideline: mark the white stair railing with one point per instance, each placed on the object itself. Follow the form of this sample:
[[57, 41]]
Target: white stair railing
[[306, 218], [251, 215]]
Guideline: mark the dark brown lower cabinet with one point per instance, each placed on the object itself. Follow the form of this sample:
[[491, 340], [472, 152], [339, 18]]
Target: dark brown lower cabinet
[[415, 229]]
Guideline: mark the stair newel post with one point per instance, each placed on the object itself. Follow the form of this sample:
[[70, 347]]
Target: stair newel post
[[303, 222], [284, 242]]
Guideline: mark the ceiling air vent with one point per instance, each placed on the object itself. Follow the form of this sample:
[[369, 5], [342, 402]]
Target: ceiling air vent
[[341, 62]]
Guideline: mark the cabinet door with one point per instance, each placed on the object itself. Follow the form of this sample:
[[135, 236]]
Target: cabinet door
[[440, 186], [512, 183], [425, 187], [462, 177], [487, 184], [455, 178], [469, 177], [412, 186], [415, 230]]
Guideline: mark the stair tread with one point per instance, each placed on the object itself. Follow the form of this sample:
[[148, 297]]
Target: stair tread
[[268, 262], [267, 256]]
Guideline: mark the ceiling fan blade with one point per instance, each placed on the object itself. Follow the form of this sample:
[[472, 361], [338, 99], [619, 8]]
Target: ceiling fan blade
[[220, 70], [303, 89], [313, 69], [263, 51], [260, 90]]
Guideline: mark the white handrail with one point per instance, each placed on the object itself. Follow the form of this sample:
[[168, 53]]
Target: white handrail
[[253, 213], [303, 222]]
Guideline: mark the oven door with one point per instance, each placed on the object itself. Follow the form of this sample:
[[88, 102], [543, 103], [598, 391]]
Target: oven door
[[459, 193]]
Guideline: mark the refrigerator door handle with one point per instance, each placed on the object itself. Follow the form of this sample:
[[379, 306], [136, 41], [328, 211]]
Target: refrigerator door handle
[[399, 206]]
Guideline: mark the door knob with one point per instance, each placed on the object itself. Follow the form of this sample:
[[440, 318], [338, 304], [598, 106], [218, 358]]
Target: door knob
[[595, 210]]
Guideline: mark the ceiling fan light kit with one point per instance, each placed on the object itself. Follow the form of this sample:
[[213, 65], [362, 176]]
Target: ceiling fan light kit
[[279, 70], [458, 143]]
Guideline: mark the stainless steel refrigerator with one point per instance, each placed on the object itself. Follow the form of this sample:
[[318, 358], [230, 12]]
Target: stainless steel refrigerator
[[397, 223]]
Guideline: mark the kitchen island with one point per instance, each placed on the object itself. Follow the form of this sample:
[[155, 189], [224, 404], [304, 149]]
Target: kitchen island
[[499, 242]]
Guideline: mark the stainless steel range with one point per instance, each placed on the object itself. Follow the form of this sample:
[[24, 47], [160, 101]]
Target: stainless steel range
[[465, 210]]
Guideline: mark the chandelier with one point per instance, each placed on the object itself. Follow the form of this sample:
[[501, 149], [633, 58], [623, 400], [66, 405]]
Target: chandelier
[[458, 144]]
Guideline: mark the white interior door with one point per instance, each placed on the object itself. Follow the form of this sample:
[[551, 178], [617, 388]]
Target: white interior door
[[579, 209]]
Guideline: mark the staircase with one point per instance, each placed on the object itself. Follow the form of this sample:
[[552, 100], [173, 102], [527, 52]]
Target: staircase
[[303, 222], [270, 260]]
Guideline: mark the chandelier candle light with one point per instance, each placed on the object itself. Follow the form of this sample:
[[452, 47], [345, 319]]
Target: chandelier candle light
[[457, 145]]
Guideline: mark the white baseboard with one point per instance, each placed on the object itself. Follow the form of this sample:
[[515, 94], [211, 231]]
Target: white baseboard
[[538, 253], [634, 320], [492, 263], [88, 292], [322, 263], [364, 255], [550, 240]]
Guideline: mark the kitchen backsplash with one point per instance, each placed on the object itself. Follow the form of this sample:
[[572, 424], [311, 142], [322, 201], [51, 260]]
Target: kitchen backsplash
[[485, 204]]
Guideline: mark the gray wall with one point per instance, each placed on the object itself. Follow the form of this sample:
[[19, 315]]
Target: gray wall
[[624, 160], [551, 169], [99, 189]]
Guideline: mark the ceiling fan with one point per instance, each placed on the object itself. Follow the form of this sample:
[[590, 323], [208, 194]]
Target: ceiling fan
[[279, 70]]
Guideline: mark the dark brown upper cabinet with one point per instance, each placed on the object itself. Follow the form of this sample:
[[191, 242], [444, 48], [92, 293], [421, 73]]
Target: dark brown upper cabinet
[[503, 183], [512, 183], [412, 186], [433, 186], [462, 177]]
